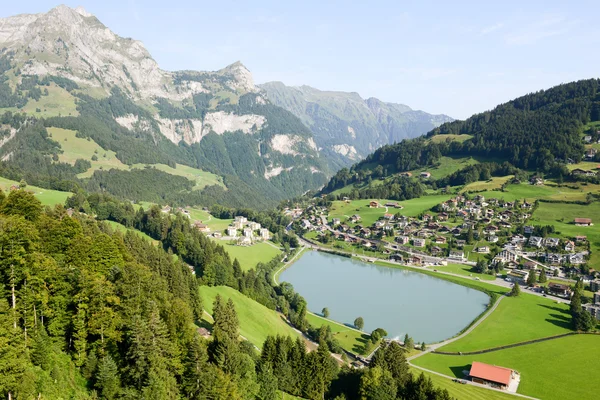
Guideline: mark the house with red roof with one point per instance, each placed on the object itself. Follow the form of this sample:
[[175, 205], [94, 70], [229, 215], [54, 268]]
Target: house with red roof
[[492, 375]]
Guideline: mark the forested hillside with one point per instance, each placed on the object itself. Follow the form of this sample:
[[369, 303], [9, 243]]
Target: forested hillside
[[216, 122], [87, 313], [539, 132]]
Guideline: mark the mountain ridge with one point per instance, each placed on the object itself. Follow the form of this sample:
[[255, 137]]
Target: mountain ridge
[[114, 92], [346, 126]]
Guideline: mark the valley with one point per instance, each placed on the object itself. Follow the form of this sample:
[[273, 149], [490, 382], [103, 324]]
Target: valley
[[183, 234]]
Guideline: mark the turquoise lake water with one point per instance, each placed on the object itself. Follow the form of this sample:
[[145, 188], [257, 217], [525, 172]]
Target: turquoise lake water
[[400, 301]]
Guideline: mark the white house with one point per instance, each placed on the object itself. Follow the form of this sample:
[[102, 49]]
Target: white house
[[264, 233], [231, 231]]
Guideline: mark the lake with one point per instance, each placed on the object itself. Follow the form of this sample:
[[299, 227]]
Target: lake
[[400, 301]]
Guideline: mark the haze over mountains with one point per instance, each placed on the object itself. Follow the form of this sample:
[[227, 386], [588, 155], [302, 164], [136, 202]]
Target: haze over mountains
[[347, 127], [262, 139]]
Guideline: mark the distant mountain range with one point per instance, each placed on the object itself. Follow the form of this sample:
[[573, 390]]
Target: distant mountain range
[[347, 127], [266, 143]]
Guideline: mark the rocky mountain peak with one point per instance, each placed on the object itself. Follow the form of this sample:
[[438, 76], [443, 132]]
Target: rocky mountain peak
[[242, 76]]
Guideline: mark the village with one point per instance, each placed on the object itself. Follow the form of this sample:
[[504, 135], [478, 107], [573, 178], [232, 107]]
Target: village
[[242, 231], [490, 234]]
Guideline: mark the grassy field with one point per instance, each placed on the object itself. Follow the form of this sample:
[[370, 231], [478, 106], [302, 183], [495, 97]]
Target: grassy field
[[59, 102], [451, 137], [256, 321], [48, 197], [587, 165], [562, 215], [79, 148], [494, 183], [552, 370], [517, 319], [460, 392], [348, 338], [463, 269], [215, 224], [550, 192], [413, 207], [446, 166], [249, 256], [201, 178], [124, 229]]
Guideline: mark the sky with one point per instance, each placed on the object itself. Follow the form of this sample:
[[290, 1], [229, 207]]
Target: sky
[[452, 57]]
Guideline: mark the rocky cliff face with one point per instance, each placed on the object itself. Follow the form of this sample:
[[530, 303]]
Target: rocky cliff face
[[217, 120], [348, 127]]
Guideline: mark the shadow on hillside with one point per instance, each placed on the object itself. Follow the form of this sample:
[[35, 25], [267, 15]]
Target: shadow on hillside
[[561, 321], [558, 309], [458, 371], [362, 348]]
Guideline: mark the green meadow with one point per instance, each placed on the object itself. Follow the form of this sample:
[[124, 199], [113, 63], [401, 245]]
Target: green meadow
[[459, 391], [562, 216], [350, 339], [552, 370], [80, 148], [515, 320], [412, 207], [249, 256], [256, 321], [47, 197]]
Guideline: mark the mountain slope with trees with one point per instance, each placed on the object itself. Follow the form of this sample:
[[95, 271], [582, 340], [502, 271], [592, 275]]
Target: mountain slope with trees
[[539, 132], [66, 69]]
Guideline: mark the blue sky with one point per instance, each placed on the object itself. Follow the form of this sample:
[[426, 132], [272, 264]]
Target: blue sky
[[457, 58]]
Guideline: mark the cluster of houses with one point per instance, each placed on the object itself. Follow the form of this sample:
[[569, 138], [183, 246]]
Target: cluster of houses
[[490, 221], [246, 232], [594, 307]]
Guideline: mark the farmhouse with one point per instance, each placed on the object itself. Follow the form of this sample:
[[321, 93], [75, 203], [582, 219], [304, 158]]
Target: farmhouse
[[374, 204], [486, 374], [231, 231], [201, 226], [425, 175], [559, 289], [583, 221]]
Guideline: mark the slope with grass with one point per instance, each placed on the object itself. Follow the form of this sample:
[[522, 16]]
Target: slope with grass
[[460, 392], [562, 216], [516, 319], [412, 207], [249, 256], [47, 197], [350, 339], [551, 370], [491, 184], [123, 229], [256, 321], [463, 269], [215, 224], [75, 148]]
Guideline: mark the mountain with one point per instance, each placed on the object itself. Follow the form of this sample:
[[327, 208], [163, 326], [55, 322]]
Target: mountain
[[538, 133], [68, 70], [347, 127]]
